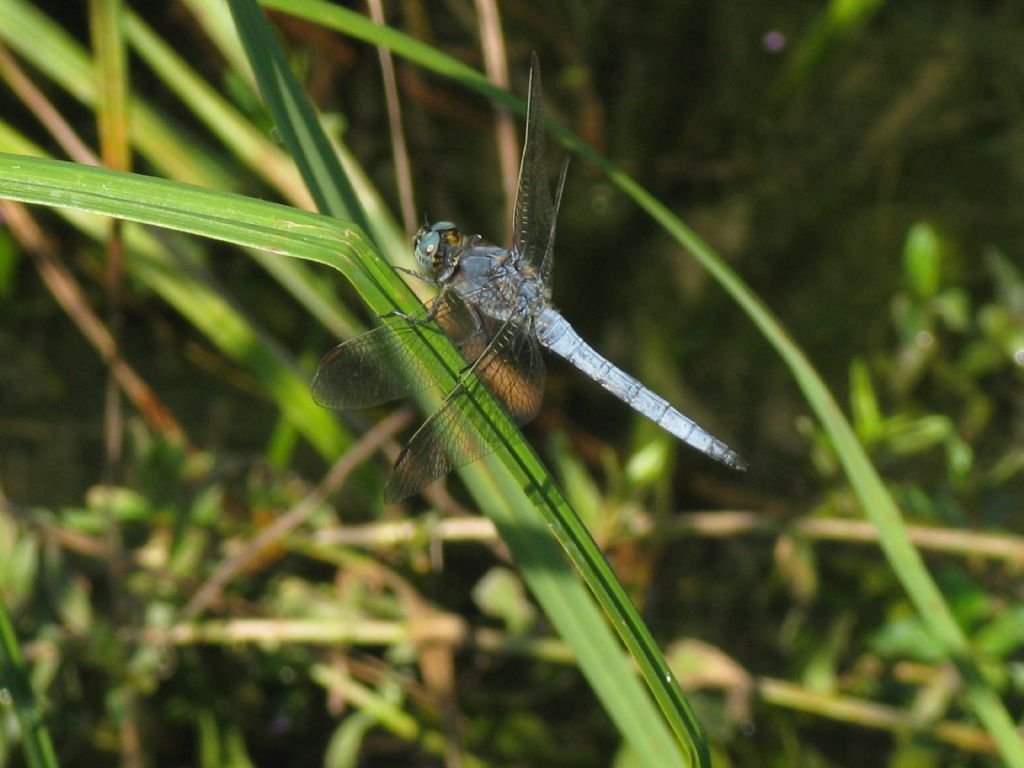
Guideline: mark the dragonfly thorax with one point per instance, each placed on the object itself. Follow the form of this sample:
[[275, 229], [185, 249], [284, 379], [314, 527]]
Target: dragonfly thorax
[[436, 249]]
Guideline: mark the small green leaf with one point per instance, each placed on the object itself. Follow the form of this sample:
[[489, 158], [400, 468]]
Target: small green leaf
[[1004, 635], [909, 435], [650, 463], [867, 417], [922, 261], [909, 638], [500, 594]]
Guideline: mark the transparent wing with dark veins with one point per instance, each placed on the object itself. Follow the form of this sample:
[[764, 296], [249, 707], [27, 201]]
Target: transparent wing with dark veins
[[508, 360], [534, 212], [383, 364], [549, 249], [461, 431]]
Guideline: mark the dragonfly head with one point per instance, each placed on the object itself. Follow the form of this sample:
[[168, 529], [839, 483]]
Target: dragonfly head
[[434, 249]]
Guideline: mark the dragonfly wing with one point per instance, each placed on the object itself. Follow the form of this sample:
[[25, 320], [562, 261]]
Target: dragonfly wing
[[445, 441], [505, 355], [534, 211], [511, 368], [549, 249], [379, 365]]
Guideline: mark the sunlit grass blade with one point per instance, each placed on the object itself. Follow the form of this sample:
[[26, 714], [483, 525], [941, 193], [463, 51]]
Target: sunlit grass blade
[[106, 20], [71, 68], [236, 133], [878, 504], [305, 136], [295, 118], [876, 501]]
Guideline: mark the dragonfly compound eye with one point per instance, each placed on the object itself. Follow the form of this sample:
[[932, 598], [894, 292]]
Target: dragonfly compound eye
[[427, 243]]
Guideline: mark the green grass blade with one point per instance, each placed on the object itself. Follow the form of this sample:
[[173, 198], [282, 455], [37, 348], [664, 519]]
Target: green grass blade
[[295, 118], [16, 691], [106, 20], [210, 107]]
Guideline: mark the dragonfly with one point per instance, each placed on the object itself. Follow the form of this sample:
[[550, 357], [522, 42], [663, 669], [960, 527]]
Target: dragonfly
[[495, 304]]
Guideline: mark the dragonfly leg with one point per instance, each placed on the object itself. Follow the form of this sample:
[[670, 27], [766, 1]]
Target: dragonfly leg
[[398, 313], [409, 318], [428, 318], [416, 274]]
